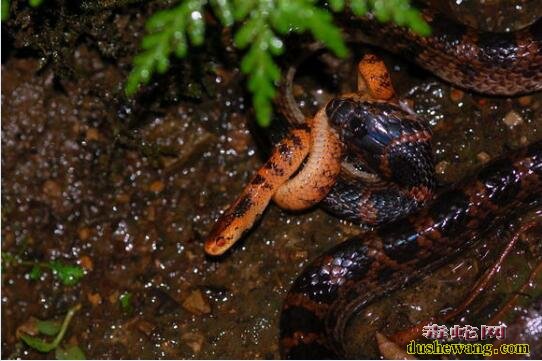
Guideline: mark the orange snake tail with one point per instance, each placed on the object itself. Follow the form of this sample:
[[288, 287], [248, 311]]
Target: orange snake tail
[[285, 159]]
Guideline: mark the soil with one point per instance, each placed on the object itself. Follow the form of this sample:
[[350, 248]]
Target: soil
[[128, 189]]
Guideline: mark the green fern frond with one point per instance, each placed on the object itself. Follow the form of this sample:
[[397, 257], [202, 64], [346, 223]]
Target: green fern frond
[[4, 9], [166, 34], [262, 24]]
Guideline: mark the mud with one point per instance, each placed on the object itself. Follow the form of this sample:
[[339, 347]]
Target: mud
[[129, 188]]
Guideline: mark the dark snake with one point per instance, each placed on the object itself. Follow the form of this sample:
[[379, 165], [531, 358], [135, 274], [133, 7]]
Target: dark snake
[[339, 283]]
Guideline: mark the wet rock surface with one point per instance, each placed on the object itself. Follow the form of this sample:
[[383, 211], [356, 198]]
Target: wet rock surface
[[128, 190]]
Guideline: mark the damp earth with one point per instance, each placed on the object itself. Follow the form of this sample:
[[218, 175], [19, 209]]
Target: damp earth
[[128, 189]]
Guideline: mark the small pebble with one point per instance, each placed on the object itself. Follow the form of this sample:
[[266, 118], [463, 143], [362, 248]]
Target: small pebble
[[456, 95], [190, 255], [441, 167], [123, 198], [84, 233], [168, 162], [151, 213], [512, 119], [113, 297], [146, 327], [197, 304], [52, 189], [525, 100], [76, 128], [483, 157], [92, 134], [194, 340], [86, 263], [156, 186], [94, 298]]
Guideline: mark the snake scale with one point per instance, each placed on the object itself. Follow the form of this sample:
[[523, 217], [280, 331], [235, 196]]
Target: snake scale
[[343, 280]]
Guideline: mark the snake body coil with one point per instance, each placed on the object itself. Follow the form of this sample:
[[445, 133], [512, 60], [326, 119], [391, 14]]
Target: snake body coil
[[484, 62], [346, 278]]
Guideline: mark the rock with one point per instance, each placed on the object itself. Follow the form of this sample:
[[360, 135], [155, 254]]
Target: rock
[[84, 233], [162, 302], [145, 326], [512, 119], [94, 298], [456, 95], [483, 157], [525, 100], [151, 213], [92, 134], [194, 340], [52, 189], [196, 303], [441, 166], [113, 297], [156, 186], [86, 263], [123, 198]]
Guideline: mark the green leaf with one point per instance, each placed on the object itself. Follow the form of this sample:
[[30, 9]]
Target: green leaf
[[126, 301], [167, 31], [382, 12], [48, 327], [196, 27], [35, 3], [261, 23], [44, 346], [37, 343], [243, 7], [359, 7], [5, 10], [416, 22], [263, 110], [336, 5], [400, 12], [160, 19], [245, 35], [73, 352], [35, 272], [67, 274], [7, 259], [324, 30], [223, 11]]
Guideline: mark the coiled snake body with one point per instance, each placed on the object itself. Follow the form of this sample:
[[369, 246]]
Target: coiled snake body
[[343, 280], [346, 278], [396, 144]]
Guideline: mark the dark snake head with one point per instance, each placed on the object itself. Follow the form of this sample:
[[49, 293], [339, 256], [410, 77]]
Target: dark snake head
[[370, 127]]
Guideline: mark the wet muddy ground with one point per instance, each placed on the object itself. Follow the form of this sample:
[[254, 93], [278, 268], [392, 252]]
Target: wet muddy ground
[[128, 190]]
